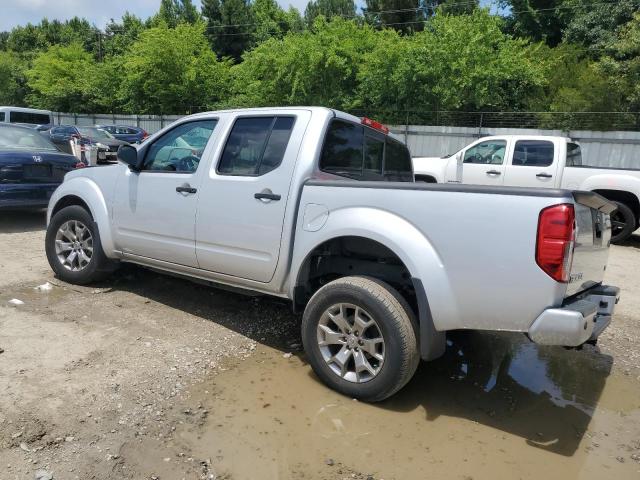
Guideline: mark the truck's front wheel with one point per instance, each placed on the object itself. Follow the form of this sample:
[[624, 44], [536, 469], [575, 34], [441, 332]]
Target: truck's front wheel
[[359, 337], [73, 247], [623, 223]]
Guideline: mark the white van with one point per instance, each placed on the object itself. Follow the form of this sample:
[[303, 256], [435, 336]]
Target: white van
[[26, 116]]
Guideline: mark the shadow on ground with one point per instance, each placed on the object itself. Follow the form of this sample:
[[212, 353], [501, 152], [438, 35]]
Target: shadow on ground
[[546, 395], [17, 221]]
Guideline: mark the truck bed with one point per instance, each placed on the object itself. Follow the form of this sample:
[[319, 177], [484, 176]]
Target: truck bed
[[472, 246]]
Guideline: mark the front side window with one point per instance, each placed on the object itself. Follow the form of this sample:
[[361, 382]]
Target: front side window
[[256, 145], [180, 149], [353, 151], [490, 152], [574, 155], [533, 153], [1, 116]]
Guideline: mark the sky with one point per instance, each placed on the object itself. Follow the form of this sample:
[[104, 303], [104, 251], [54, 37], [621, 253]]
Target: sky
[[99, 12], [20, 12]]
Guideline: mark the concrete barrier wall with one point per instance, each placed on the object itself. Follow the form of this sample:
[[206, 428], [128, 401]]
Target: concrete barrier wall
[[602, 149]]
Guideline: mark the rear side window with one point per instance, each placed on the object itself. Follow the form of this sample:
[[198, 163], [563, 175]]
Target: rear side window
[[28, 117], [342, 152], [397, 165], [1, 116], [533, 153], [353, 151], [574, 155], [256, 145]]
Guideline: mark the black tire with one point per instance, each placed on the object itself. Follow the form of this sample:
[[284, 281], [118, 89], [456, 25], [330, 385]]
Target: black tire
[[397, 326], [98, 268], [623, 223]]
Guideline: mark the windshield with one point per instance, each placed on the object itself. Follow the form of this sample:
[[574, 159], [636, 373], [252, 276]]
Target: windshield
[[93, 132], [23, 138]]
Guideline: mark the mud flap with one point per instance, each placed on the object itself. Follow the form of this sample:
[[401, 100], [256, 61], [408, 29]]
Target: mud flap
[[432, 341]]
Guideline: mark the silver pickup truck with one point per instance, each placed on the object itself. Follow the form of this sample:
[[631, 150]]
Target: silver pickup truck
[[320, 207]]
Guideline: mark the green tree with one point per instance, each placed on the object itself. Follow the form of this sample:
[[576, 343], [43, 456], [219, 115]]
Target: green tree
[[12, 79], [230, 26], [272, 21], [575, 83], [172, 71], [59, 78], [329, 9], [460, 63], [538, 20], [120, 35], [622, 64], [316, 67], [174, 12], [595, 25]]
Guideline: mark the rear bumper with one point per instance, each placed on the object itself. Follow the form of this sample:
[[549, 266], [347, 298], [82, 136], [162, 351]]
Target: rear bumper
[[578, 321]]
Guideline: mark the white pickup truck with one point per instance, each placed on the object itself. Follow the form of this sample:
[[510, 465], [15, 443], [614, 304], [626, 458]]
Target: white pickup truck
[[320, 207], [538, 161]]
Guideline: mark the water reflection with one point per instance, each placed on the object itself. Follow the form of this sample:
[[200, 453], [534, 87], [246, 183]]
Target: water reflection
[[546, 395]]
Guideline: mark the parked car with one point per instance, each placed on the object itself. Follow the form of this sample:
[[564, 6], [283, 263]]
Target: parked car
[[105, 143], [25, 116], [320, 207], [538, 161], [31, 167], [125, 132]]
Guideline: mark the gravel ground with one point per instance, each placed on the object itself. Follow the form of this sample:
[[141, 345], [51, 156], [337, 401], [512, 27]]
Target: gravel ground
[[97, 381]]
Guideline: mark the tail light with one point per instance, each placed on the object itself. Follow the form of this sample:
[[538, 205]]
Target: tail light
[[79, 165], [144, 134], [375, 125], [556, 237]]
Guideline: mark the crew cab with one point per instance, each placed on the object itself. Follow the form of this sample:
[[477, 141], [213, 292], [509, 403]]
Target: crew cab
[[538, 161], [320, 207]]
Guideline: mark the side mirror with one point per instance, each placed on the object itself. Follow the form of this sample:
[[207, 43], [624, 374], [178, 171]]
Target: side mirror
[[129, 155]]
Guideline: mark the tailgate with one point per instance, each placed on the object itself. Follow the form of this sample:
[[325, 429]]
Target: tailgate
[[593, 235]]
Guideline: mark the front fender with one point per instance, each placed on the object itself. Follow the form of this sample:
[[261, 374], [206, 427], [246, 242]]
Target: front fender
[[397, 234], [89, 192]]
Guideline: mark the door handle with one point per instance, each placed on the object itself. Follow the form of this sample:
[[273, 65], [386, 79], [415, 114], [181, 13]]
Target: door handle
[[267, 196], [544, 175], [493, 172], [186, 188]]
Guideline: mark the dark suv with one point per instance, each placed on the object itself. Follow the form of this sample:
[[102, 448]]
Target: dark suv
[[126, 133]]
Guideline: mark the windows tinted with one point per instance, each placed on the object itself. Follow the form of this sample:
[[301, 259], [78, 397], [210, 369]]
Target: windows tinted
[[172, 152], [533, 153], [28, 117], [397, 165], [574, 155], [373, 158], [255, 145], [353, 151], [342, 152], [490, 152]]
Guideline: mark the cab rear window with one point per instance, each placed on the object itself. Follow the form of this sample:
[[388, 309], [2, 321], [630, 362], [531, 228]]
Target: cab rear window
[[354, 151]]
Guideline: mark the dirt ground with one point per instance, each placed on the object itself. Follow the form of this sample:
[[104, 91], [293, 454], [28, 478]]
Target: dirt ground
[[150, 377]]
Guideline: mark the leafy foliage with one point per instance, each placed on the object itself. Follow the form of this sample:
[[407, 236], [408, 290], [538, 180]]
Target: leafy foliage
[[397, 55]]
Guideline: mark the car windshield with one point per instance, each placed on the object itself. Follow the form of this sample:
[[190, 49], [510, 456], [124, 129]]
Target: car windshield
[[12, 138], [93, 132]]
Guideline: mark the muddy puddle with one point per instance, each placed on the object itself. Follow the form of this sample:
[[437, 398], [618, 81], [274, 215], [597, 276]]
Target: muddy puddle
[[496, 406]]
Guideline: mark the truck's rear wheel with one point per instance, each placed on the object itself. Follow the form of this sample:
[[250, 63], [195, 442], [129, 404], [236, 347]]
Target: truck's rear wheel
[[73, 247], [623, 223], [359, 337]]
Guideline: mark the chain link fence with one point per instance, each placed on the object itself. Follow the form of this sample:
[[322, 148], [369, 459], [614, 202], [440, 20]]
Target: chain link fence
[[602, 121]]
